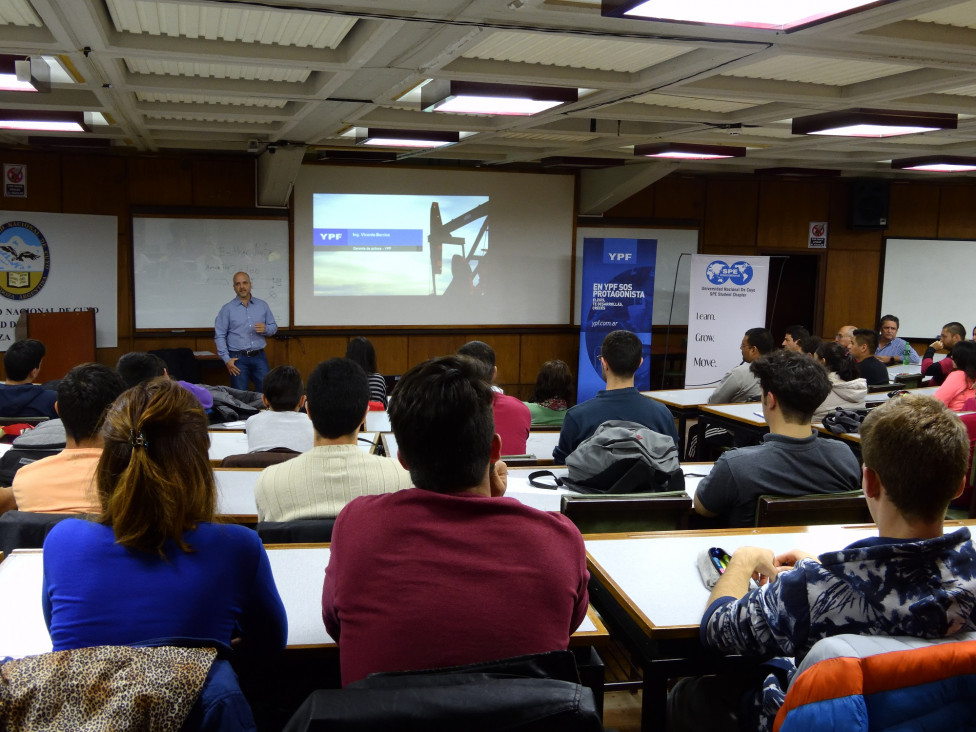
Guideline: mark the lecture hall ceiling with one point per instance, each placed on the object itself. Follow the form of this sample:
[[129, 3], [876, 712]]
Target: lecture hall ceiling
[[214, 75]]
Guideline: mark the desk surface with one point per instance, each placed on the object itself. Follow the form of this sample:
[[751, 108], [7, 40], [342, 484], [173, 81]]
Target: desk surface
[[540, 443], [681, 398], [750, 413], [223, 444], [298, 572], [654, 576]]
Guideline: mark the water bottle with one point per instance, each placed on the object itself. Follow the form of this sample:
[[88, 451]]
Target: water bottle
[[906, 356]]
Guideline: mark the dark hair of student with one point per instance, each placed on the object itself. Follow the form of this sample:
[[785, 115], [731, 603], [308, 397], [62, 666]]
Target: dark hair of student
[[136, 367], [964, 357], [838, 360], [867, 337], [920, 450], [443, 422], [22, 357], [799, 382], [892, 318], [760, 339], [554, 380], [283, 388], [480, 351], [956, 328], [337, 395], [84, 394], [154, 478], [797, 332], [362, 352], [810, 344], [622, 350]]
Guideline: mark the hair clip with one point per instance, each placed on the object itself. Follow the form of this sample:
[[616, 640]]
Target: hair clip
[[138, 440]]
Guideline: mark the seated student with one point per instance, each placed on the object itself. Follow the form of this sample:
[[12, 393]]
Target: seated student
[[794, 335], [847, 388], [891, 348], [449, 572], [740, 384], [620, 357], [362, 352], [19, 395], [845, 336], [957, 389], [319, 482], [64, 483], [862, 349], [512, 417], [912, 579], [810, 344], [155, 565], [282, 424], [553, 394], [792, 460], [937, 371], [136, 367]]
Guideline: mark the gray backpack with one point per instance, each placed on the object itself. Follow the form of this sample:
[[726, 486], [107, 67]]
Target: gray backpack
[[624, 457]]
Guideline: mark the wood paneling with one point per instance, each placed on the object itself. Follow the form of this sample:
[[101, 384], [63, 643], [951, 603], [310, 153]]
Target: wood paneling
[[839, 233], [679, 197], [226, 182], [786, 208], [95, 184], [537, 349], [159, 181], [851, 293], [731, 214], [956, 219], [913, 210], [43, 182]]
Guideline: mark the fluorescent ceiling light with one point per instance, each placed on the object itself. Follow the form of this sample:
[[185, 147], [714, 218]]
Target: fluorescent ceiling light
[[468, 97], [872, 123], [408, 138], [937, 164], [25, 119], [20, 74], [781, 15], [688, 151]]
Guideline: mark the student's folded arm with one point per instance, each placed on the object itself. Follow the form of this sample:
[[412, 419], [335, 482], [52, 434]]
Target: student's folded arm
[[264, 623], [7, 501]]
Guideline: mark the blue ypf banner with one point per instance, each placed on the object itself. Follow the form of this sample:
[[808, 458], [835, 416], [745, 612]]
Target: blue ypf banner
[[617, 294]]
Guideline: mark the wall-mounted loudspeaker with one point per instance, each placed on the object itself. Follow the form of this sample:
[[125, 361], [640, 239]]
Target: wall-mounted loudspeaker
[[869, 203]]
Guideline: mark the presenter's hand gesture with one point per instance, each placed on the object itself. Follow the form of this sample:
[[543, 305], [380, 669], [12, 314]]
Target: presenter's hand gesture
[[232, 367]]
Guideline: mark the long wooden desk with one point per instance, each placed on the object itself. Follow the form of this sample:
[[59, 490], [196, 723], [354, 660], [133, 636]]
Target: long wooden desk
[[225, 443], [683, 404], [298, 572], [540, 444], [647, 588]]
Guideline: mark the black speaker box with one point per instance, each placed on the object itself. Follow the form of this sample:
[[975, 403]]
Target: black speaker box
[[869, 203]]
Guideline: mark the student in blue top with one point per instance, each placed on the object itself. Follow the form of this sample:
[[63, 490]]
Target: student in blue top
[[154, 564], [239, 332]]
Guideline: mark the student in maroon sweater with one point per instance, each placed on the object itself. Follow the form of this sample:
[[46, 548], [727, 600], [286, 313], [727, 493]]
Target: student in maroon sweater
[[450, 572]]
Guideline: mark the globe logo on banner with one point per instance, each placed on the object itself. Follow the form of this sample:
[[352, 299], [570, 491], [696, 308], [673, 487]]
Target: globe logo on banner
[[739, 273]]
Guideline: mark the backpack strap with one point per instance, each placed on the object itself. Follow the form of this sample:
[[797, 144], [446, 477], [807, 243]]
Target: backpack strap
[[535, 475]]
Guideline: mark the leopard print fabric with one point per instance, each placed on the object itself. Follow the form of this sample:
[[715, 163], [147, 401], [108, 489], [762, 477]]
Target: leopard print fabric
[[103, 688]]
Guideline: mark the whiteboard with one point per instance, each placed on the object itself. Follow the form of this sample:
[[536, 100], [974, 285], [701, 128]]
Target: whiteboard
[[670, 295], [184, 268], [924, 285]]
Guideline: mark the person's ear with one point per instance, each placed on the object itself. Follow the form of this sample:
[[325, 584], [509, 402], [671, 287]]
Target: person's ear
[[496, 448], [962, 487], [56, 410], [402, 461], [870, 483], [301, 403], [362, 422], [265, 402]]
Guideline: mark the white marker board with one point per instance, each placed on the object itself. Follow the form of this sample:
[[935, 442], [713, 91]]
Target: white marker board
[[184, 268]]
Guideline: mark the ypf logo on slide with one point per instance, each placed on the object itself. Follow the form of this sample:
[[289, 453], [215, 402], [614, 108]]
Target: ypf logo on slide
[[25, 260], [738, 273]]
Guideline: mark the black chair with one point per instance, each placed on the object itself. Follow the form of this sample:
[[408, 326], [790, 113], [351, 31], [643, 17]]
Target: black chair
[[600, 514], [4, 421], [259, 459], [299, 531], [848, 507], [25, 530], [537, 693]]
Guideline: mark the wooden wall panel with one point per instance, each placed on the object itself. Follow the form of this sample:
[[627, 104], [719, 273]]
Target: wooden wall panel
[[226, 182], [786, 208], [43, 182], [913, 210], [839, 233], [95, 184], [537, 349], [679, 197], [956, 219], [159, 181], [851, 292], [731, 214], [638, 206]]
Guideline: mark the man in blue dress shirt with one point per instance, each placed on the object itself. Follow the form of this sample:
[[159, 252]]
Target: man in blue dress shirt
[[241, 326]]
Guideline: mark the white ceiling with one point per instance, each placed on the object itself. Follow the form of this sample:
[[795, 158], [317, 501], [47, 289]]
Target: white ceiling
[[216, 74]]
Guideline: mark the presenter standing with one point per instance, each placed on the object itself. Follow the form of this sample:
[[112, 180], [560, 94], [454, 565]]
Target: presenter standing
[[241, 326]]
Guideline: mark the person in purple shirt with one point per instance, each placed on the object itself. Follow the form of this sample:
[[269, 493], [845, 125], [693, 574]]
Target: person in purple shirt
[[240, 329]]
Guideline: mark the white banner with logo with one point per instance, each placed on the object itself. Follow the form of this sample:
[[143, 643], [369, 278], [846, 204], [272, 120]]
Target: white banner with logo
[[59, 263], [727, 297]]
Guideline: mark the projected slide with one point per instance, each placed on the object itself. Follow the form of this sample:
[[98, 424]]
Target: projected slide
[[383, 245]]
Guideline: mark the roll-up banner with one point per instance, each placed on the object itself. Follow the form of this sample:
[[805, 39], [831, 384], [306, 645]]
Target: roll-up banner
[[617, 294], [727, 297]]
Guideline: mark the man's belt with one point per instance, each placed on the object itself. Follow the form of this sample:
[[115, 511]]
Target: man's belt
[[238, 354]]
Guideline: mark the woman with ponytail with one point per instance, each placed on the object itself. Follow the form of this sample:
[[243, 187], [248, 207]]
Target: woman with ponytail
[[155, 564]]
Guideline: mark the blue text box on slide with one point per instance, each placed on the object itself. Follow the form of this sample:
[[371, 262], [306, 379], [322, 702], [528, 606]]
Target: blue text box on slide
[[380, 240]]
